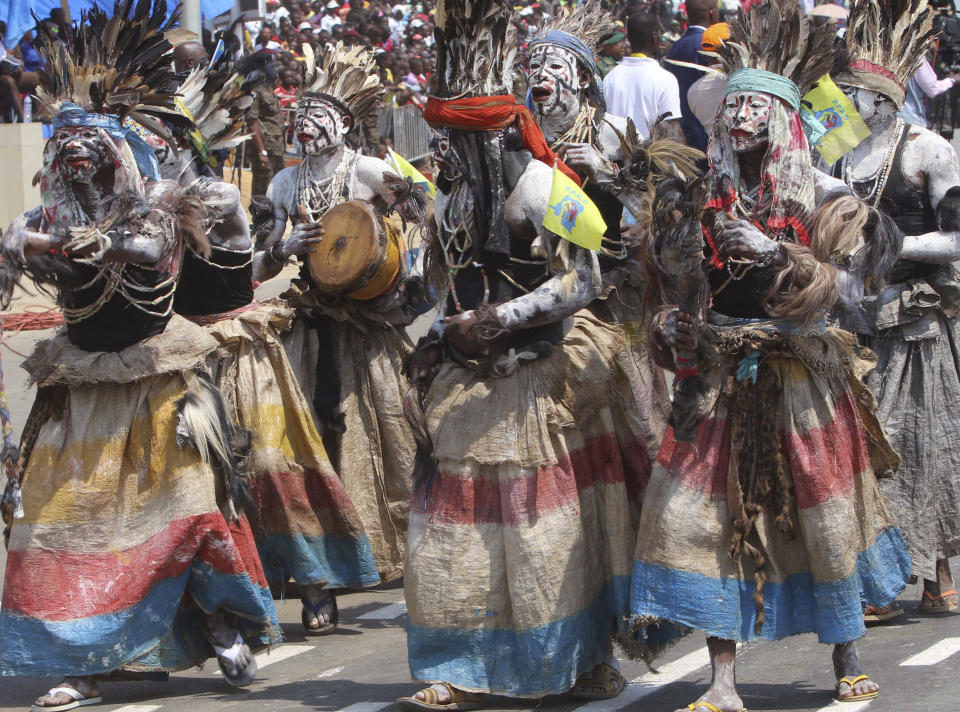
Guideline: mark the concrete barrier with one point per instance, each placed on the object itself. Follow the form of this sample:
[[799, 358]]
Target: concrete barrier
[[21, 149]]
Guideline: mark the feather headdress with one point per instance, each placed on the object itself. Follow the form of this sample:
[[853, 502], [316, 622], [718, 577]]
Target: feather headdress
[[117, 65], [476, 49], [215, 103], [347, 77], [588, 23], [886, 41], [778, 38]]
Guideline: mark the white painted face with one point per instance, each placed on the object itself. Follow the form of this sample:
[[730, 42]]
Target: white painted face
[[81, 152], [554, 80], [320, 126], [874, 108], [746, 117]]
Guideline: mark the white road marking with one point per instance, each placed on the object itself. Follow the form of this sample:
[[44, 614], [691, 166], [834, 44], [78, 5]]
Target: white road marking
[[846, 706], [935, 654], [280, 653], [385, 613], [276, 655], [138, 708], [651, 682], [330, 673], [366, 707]]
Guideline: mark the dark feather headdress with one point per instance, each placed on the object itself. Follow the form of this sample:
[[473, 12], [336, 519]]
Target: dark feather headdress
[[346, 77], [778, 38], [215, 104], [117, 65], [476, 49], [886, 41]]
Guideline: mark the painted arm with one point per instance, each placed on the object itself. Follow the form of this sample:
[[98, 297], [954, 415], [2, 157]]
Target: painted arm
[[942, 245]]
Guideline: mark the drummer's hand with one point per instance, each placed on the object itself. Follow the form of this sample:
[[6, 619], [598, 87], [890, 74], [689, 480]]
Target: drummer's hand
[[423, 366], [460, 332], [303, 239], [679, 331]]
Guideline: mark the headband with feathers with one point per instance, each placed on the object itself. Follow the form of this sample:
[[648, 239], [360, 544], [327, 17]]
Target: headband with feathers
[[778, 38], [215, 103], [117, 65], [347, 77], [588, 23], [476, 49], [886, 41]]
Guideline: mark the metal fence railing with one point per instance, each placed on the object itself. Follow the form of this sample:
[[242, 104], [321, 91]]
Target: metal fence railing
[[406, 127]]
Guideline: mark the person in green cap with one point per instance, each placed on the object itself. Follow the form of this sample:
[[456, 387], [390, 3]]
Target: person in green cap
[[611, 51]]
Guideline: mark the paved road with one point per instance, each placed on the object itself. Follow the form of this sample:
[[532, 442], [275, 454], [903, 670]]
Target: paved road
[[362, 668]]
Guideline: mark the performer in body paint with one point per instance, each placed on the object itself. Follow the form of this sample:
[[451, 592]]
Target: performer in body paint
[[769, 522], [133, 520], [348, 352], [911, 174], [307, 528], [511, 594]]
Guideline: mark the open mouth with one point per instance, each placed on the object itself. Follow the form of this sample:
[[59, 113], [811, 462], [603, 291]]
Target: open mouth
[[78, 161], [740, 133], [539, 94]]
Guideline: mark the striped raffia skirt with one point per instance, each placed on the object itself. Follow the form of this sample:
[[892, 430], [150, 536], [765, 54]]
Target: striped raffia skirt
[[374, 454], [518, 557], [776, 496], [123, 546], [306, 526]]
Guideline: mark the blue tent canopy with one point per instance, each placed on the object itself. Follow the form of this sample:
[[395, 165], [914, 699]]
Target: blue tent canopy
[[16, 13]]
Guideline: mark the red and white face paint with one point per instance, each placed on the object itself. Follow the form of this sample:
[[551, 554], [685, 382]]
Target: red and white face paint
[[746, 117], [80, 151], [320, 126]]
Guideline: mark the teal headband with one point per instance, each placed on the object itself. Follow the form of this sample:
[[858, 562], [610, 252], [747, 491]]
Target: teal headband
[[779, 86]]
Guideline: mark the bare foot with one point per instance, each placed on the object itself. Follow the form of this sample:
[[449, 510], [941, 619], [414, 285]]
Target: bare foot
[[846, 664], [86, 686], [723, 691], [235, 658], [937, 596]]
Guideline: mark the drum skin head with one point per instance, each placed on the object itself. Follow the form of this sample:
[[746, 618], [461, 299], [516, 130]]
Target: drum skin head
[[352, 245]]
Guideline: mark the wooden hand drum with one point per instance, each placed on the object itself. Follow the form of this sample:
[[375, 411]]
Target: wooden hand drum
[[361, 256]]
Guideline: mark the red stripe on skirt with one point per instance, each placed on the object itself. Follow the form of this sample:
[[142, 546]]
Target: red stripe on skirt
[[63, 585], [825, 460], [701, 465], [456, 499]]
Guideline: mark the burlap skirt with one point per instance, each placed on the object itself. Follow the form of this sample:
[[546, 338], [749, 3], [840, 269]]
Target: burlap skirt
[[837, 545], [124, 545], [917, 382], [519, 552], [374, 456], [307, 528]]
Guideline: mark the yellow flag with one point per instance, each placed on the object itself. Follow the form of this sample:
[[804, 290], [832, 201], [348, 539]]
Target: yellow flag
[[572, 215], [406, 170], [838, 115]]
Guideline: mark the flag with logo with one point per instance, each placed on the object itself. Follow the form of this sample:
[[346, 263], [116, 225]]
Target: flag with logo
[[405, 169], [572, 215], [837, 114]]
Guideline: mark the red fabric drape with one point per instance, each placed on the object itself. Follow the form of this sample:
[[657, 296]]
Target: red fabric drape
[[493, 113]]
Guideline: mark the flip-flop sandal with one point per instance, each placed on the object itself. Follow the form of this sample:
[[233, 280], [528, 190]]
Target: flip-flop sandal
[[240, 679], [873, 614], [708, 706], [604, 682], [327, 605], [933, 609], [78, 700], [460, 701], [853, 681]]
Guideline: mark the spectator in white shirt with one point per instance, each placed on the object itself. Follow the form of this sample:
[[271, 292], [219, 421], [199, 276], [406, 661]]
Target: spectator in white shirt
[[924, 84], [639, 87]]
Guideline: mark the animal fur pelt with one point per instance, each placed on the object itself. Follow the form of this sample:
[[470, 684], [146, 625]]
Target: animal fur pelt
[[116, 65], [202, 423], [476, 49], [778, 37]]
